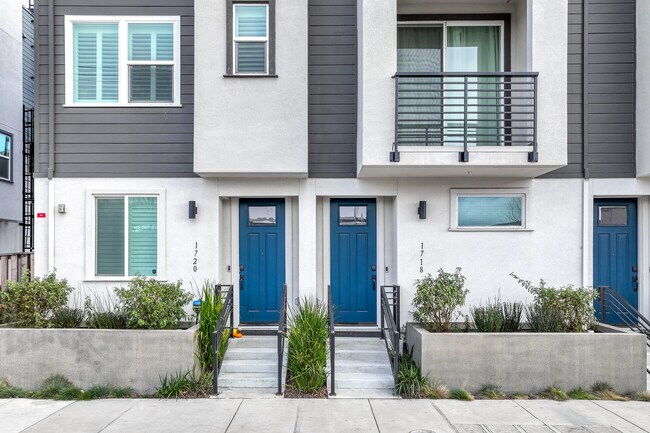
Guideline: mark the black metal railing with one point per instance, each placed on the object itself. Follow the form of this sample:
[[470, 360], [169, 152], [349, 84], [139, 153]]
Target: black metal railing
[[226, 317], [282, 334], [390, 324], [464, 110], [330, 312]]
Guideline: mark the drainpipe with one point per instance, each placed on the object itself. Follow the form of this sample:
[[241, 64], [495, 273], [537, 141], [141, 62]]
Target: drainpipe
[[50, 140], [586, 226]]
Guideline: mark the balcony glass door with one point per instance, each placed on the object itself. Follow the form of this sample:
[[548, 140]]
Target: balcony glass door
[[432, 109]]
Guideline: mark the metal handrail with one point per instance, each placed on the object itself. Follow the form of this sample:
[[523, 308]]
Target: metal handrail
[[612, 302], [390, 321], [282, 334], [330, 311], [224, 292], [465, 108]]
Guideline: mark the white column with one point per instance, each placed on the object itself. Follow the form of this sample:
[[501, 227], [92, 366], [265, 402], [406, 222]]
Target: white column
[[40, 230], [307, 238]]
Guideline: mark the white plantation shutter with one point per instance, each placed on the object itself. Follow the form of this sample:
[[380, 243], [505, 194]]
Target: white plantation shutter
[[143, 236], [95, 62], [110, 236], [151, 79]]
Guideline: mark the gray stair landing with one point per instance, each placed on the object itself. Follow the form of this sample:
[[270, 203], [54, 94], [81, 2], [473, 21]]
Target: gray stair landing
[[362, 368], [249, 368]]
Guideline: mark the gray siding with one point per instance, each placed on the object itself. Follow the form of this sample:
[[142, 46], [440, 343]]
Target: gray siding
[[332, 88], [28, 58], [606, 68], [112, 141]]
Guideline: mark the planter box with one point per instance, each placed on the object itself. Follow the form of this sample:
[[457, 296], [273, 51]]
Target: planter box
[[530, 362], [133, 358]]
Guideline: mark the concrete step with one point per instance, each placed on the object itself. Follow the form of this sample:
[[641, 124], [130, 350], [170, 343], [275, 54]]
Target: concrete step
[[344, 366], [249, 366], [253, 341], [359, 343], [244, 353], [248, 380], [364, 393], [361, 355], [363, 381]]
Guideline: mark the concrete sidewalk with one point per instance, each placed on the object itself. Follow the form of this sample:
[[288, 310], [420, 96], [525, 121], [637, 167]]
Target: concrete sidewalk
[[315, 416]]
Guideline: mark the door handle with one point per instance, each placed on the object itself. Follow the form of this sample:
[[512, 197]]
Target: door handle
[[241, 282], [374, 282]]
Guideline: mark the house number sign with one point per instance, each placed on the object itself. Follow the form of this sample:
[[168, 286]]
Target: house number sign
[[422, 257], [195, 260]]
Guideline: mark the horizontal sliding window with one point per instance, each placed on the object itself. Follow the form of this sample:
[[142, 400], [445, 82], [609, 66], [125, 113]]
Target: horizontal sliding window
[[488, 210], [122, 60]]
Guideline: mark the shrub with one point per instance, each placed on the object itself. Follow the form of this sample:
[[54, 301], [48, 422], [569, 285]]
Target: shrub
[[410, 382], [574, 304], [104, 314], [488, 318], [8, 391], [606, 391], [580, 394], [152, 304], [544, 318], [68, 317], [641, 396], [556, 394], [308, 346], [461, 394], [512, 316], [437, 299], [58, 387], [32, 303], [437, 391], [185, 385], [210, 309], [491, 391]]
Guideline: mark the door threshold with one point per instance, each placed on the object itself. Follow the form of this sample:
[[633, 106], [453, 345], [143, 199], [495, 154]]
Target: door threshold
[[259, 329], [357, 331]]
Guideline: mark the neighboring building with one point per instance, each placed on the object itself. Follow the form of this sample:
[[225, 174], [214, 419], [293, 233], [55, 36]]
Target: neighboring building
[[16, 88], [277, 119]]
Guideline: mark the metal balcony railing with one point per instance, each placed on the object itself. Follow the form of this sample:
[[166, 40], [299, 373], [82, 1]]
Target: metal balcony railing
[[466, 110]]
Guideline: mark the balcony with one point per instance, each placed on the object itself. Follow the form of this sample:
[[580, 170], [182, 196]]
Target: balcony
[[465, 111]]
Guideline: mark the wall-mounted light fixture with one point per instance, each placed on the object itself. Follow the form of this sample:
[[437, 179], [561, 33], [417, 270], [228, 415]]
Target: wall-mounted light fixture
[[422, 210], [193, 209]]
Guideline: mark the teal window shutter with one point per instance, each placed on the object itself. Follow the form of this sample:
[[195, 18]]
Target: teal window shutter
[[151, 43], [95, 62], [110, 236], [143, 236]]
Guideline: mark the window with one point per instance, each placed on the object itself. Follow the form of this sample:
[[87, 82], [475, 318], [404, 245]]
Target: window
[[612, 216], [122, 60], [126, 236], [488, 210], [261, 216], [251, 43], [353, 215], [5, 155]]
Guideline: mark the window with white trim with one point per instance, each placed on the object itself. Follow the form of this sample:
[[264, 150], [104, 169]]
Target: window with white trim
[[251, 38], [490, 210], [5, 155], [122, 60], [126, 235]]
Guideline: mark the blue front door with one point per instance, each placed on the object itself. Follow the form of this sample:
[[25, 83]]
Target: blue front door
[[615, 250], [353, 260], [261, 259]]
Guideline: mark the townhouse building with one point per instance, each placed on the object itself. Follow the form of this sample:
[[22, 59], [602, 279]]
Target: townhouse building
[[342, 143]]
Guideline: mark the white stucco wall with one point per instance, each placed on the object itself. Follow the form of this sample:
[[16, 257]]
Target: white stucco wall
[[250, 126], [11, 114], [531, 50], [642, 89]]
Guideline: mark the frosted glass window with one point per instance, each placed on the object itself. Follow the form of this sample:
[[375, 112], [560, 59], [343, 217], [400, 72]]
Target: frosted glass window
[[612, 215], [490, 211], [353, 215], [261, 216]]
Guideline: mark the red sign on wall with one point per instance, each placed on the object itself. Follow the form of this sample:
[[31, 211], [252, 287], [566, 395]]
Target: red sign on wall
[[40, 215]]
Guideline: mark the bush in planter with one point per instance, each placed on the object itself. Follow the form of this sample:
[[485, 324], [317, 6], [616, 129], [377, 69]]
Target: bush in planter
[[488, 318], [104, 314], [152, 304], [68, 317], [437, 299], [211, 305], [574, 304], [307, 337], [544, 318], [32, 303]]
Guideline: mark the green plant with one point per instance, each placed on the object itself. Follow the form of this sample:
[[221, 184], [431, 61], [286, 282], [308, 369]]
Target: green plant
[[211, 305], [554, 393], [8, 391], [437, 299], [68, 317], [544, 318], [104, 314], [580, 394], [410, 382], [185, 385], [512, 312], [32, 303], [605, 391], [461, 394], [491, 391], [108, 391], [437, 391], [574, 304], [488, 318], [518, 396], [307, 337], [58, 387], [152, 304], [641, 396]]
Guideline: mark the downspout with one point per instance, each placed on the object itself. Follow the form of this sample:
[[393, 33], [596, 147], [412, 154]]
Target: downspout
[[586, 190], [50, 132]]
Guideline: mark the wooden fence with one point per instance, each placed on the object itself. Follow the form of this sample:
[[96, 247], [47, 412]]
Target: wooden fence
[[13, 266]]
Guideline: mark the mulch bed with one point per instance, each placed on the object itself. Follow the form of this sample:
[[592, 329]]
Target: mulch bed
[[290, 391]]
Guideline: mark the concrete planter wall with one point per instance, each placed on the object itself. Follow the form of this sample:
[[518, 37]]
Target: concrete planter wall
[[133, 358], [530, 362]]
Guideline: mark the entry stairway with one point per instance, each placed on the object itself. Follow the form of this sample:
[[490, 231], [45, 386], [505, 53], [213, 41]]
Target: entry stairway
[[250, 368], [362, 368]]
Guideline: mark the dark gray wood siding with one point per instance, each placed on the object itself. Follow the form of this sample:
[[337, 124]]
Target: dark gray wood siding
[[332, 88], [28, 58], [604, 63], [115, 141]]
